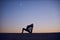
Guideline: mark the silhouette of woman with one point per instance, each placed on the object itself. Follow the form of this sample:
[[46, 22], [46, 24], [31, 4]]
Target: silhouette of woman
[[28, 29]]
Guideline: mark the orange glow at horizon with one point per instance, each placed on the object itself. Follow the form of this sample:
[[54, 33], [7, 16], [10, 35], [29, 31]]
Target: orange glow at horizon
[[12, 30]]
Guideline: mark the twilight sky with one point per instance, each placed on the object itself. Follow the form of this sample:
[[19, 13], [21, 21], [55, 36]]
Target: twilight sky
[[17, 14]]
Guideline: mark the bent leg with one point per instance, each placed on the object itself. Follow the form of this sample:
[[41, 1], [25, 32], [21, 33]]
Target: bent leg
[[23, 30], [26, 30]]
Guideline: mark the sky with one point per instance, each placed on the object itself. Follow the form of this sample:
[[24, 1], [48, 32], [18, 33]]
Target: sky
[[17, 14]]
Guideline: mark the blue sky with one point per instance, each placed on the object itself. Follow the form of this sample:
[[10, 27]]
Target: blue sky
[[18, 14]]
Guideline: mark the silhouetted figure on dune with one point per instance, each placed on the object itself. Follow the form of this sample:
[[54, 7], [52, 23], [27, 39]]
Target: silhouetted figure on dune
[[29, 28]]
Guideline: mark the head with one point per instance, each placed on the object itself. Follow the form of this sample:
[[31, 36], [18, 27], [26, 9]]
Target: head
[[32, 24]]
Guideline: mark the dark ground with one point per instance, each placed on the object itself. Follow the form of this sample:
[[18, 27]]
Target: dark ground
[[27, 36]]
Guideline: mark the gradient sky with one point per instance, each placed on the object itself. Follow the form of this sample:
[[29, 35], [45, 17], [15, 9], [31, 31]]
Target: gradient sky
[[17, 14]]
